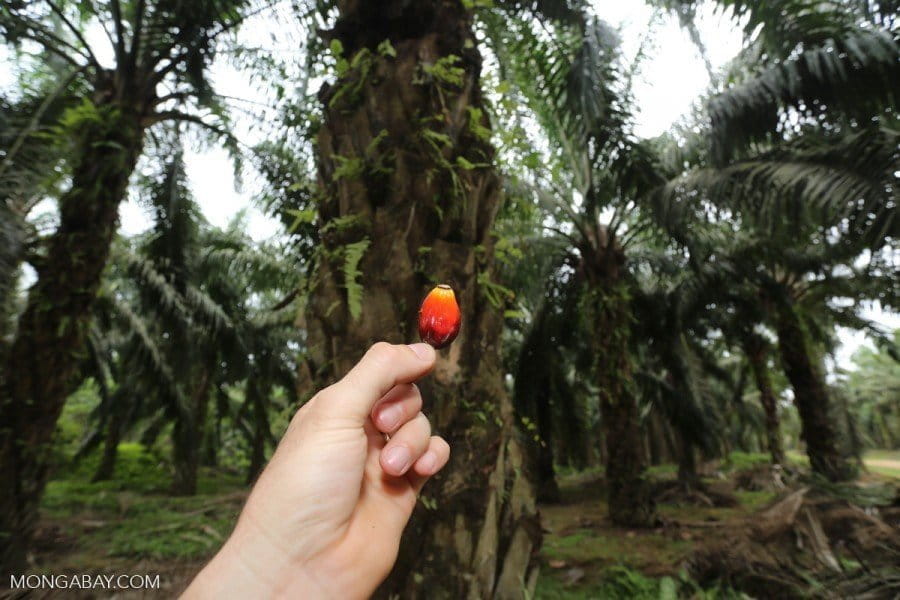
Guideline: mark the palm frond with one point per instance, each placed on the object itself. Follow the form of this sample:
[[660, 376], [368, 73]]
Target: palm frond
[[844, 180], [158, 289], [780, 25], [854, 77], [147, 355], [562, 11], [207, 312]]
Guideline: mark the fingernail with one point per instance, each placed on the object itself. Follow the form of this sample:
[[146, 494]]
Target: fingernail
[[390, 415], [428, 462], [423, 351], [397, 459]]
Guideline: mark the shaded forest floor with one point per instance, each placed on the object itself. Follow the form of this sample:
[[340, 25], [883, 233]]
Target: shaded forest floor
[[132, 525], [586, 556]]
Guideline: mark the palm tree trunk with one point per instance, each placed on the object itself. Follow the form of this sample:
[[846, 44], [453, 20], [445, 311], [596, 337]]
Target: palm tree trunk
[[811, 397], [755, 349], [187, 438], [547, 488], [107, 466], [260, 432], [11, 247], [40, 369], [684, 396], [629, 495], [406, 177], [688, 477], [654, 439]]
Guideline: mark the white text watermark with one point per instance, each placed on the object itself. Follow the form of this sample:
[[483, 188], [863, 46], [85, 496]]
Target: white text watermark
[[84, 582]]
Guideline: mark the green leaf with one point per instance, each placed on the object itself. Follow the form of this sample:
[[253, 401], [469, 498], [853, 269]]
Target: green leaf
[[301, 217], [353, 254], [464, 163], [667, 590], [385, 48]]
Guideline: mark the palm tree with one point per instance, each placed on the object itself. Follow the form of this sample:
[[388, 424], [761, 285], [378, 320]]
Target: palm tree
[[406, 197], [802, 125], [872, 389], [181, 313], [756, 349], [27, 173], [576, 87], [672, 316], [803, 152], [162, 49], [789, 282], [546, 396]]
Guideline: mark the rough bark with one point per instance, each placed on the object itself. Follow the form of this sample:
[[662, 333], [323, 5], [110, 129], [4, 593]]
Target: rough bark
[[187, 436], [12, 237], [107, 466], [629, 495], [756, 350], [260, 434], [687, 465], [533, 396], [547, 487], [679, 412], [811, 397], [40, 369], [405, 175]]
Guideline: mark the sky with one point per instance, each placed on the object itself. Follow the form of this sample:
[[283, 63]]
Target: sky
[[670, 80]]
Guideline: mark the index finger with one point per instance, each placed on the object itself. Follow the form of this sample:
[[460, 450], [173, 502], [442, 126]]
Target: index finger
[[383, 367]]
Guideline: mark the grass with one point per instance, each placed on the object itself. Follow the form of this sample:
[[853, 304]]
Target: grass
[[585, 556], [875, 461], [883, 455], [754, 500], [662, 471], [133, 519], [738, 461], [614, 583], [616, 548], [134, 516], [623, 583]]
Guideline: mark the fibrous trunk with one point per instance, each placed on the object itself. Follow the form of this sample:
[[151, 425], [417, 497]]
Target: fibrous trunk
[[818, 428], [547, 487], [534, 394], [408, 199], [187, 436], [12, 238], [41, 367], [260, 430], [114, 430], [629, 495], [755, 349]]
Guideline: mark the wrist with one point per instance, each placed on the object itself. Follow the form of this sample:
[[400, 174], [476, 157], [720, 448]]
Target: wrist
[[251, 568]]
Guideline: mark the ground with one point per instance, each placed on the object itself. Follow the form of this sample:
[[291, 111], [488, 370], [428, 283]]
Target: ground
[[585, 556], [132, 525]]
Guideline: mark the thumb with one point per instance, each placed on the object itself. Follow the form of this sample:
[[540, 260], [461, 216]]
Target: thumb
[[383, 366]]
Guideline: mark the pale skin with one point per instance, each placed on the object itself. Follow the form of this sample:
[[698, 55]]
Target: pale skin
[[325, 517]]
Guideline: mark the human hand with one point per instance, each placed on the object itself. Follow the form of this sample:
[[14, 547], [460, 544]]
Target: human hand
[[324, 519]]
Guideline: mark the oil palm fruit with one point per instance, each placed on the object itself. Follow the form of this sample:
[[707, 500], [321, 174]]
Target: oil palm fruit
[[439, 317]]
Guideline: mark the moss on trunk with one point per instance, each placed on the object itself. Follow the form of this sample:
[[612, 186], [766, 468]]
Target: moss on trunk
[[629, 495], [408, 196], [40, 369], [756, 350], [818, 428]]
